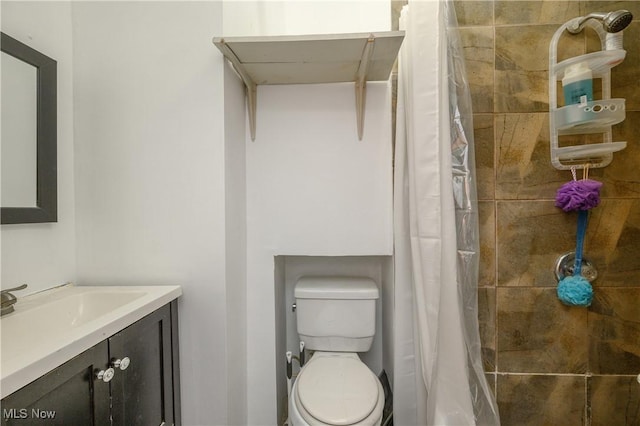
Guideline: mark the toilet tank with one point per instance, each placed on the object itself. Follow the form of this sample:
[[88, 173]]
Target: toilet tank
[[336, 314]]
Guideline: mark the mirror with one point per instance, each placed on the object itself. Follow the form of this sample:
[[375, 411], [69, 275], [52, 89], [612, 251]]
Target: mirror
[[28, 148]]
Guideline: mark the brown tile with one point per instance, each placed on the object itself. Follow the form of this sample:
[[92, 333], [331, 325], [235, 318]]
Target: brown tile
[[491, 381], [614, 400], [477, 45], [522, 63], [474, 12], [524, 169], [614, 327], [538, 334], [487, 322], [621, 178], [487, 216], [531, 235], [541, 400], [535, 12], [613, 242], [484, 148]]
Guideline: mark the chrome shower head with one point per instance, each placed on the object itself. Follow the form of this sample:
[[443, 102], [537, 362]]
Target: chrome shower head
[[612, 22], [617, 21]]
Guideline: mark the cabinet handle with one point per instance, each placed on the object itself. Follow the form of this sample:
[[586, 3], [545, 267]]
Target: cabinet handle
[[105, 375], [122, 364]]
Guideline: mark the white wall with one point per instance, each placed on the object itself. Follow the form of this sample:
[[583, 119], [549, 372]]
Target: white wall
[[312, 187], [43, 255], [297, 17], [236, 246], [150, 171]]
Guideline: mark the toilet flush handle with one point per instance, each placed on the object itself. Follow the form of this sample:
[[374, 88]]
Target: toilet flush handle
[[289, 364]]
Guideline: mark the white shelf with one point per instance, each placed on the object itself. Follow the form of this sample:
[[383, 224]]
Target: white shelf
[[311, 59], [584, 152], [598, 62], [591, 117]]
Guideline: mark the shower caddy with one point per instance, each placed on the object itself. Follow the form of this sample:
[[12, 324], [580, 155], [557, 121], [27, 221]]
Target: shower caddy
[[591, 117], [586, 117]]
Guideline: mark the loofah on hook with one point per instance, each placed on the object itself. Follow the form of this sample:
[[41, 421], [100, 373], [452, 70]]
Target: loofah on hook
[[575, 291], [578, 195]]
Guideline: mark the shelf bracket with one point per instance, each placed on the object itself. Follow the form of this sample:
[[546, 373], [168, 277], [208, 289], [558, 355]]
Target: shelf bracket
[[250, 85], [361, 83]]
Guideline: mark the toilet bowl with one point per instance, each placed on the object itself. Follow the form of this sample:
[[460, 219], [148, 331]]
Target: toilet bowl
[[336, 388], [335, 318]]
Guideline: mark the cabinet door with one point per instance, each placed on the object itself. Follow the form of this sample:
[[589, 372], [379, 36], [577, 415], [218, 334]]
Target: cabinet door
[[142, 394], [68, 395]]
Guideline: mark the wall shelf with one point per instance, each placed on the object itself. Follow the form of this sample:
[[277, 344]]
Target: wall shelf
[[588, 151], [591, 117], [311, 59], [600, 62]]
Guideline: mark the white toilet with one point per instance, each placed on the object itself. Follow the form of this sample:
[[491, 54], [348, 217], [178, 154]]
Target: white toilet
[[336, 318]]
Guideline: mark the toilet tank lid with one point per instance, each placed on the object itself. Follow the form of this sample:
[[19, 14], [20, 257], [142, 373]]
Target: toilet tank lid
[[335, 287]]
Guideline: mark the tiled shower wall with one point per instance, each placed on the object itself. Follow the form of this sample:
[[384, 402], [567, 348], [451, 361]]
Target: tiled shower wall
[[551, 364]]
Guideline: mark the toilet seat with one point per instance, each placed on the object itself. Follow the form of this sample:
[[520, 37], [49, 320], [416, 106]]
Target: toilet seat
[[338, 389]]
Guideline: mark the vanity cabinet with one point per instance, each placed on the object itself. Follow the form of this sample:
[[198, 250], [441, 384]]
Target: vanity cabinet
[[145, 393], [66, 395]]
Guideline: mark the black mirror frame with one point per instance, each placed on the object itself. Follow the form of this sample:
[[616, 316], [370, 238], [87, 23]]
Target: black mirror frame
[[46, 209]]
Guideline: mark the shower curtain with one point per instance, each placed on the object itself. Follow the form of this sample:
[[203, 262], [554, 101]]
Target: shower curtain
[[438, 374]]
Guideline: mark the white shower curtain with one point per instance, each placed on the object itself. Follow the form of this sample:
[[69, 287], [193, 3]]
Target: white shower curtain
[[438, 375]]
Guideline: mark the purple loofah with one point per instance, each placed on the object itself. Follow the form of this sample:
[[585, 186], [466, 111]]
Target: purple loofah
[[579, 195]]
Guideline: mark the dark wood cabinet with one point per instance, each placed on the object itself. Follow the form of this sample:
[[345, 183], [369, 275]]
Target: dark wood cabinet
[[68, 395], [145, 393]]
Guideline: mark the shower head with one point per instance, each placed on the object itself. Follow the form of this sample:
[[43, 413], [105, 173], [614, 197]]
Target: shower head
[[612, 22], [617, 21]]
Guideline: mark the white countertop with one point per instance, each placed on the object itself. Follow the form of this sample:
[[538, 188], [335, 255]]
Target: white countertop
[[51, 327]]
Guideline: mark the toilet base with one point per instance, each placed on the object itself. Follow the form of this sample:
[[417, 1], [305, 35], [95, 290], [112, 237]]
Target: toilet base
[[297, 419]]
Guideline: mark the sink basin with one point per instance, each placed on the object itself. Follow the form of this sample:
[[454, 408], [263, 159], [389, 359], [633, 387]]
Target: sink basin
[[49, 328], [61, 315]]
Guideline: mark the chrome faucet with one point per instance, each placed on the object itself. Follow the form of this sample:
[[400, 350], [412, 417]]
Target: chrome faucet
[[8, 300]]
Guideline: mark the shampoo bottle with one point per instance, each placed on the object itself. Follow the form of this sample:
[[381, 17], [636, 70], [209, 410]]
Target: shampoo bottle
[[577, 84]]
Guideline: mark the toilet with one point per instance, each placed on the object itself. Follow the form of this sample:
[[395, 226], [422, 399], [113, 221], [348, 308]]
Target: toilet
[[336, 319]]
